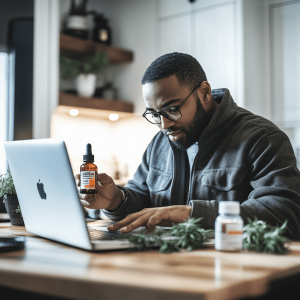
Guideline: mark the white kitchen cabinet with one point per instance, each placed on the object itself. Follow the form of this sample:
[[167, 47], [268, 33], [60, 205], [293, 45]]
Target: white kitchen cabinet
[[200, 4], [215, 45], [175, 35], [209, 34], [167, 8], [285, 63]]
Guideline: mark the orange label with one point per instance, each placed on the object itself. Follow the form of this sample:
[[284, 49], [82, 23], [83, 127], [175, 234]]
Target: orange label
[[87, 179], [234, 232], [91, 183]]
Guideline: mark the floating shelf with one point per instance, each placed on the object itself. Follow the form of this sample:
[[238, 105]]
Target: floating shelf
[[94, 103], [115, 55]]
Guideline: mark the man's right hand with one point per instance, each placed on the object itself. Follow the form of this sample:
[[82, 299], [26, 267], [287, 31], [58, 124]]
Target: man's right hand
[[109, 196]]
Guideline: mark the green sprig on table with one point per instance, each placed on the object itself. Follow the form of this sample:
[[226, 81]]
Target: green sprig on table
[[259, 236], [187, 235]]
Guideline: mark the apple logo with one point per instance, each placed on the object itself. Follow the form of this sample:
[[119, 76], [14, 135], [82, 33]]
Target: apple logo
[[41, 191]]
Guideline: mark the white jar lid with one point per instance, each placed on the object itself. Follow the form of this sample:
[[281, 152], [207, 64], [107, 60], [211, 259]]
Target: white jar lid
[[229, 207]]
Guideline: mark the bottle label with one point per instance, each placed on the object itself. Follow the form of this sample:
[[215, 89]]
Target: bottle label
[[87, 180], [229, 237]]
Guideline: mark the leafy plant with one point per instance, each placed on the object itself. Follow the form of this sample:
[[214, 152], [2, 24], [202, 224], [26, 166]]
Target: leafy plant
[[261, 237], [91, 64], [7, 186], [190, 234], [187, 235]]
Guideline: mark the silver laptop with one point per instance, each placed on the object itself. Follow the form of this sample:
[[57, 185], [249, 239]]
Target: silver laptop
[[48, 196]]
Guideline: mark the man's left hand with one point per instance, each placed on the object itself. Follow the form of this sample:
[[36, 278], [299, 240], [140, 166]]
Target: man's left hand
[[150, 217]]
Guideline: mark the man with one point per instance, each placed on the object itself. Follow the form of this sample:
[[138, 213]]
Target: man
[[208, 150]]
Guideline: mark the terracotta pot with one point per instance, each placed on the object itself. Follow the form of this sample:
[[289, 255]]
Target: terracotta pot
[[11, 205]]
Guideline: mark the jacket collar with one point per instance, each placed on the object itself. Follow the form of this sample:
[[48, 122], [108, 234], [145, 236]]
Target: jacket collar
[[223, 114]]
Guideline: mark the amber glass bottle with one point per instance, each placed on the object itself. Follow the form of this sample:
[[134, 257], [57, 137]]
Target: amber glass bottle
[[88, 173]]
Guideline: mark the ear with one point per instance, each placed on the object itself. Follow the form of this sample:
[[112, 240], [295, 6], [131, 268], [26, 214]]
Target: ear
[[204, 94]]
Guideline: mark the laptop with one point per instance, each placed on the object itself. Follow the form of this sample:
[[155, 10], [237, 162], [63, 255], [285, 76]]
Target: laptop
[[48, 196]]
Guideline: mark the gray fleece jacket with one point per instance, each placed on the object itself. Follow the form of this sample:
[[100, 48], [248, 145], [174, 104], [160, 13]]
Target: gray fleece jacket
[[241, 157]]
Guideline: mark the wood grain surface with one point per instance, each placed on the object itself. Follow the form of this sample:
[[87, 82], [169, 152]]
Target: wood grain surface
[[55, 269], [94, 103], [115, 55]]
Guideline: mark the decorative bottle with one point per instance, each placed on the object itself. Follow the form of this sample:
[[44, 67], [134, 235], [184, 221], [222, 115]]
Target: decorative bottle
[[88, 173]]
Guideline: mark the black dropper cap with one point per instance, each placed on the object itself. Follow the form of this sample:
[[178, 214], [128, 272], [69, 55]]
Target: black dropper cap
[[88, 155]]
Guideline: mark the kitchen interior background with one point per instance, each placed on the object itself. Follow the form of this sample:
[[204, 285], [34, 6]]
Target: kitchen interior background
[[250, 47]]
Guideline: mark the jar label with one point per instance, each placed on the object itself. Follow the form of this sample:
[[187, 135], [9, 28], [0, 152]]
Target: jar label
[[229, 237], [88, 180]]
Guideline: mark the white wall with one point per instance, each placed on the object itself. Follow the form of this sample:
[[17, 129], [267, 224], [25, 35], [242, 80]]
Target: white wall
[[133, 28]]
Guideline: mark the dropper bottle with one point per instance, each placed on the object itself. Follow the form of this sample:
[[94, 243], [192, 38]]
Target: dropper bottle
[[88, 173]]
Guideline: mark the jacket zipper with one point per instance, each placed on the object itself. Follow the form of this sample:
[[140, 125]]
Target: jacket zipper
[[191, 177]]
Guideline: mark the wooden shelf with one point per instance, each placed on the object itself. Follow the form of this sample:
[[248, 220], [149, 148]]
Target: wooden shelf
[[94, 103], [115, 55]]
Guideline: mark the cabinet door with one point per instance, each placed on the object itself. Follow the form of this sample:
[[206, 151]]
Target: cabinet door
[[285, 64], [166, 8], [200, 4], [215, 45], [174, 35]]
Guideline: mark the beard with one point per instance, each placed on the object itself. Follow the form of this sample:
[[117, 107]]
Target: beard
[[193, 130]]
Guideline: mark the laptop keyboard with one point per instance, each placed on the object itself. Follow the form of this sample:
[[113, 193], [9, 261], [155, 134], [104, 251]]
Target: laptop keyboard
[[104, 235]]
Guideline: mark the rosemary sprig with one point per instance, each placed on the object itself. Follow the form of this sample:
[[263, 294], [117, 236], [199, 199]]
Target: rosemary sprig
[[187, 235], [261, 237], [190, 234]]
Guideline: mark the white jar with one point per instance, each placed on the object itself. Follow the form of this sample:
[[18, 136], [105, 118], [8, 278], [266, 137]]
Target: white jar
[[86, 85], [229, 227]]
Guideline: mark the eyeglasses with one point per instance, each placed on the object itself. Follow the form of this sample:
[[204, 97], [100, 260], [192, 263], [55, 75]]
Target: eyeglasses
[[171, 113]]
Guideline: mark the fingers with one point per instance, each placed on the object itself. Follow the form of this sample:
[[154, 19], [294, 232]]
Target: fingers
[[129, 219], [89, 202], [77, 180], [85, 203], [104, 179], [155, 219], [85, 197], [141, 221]]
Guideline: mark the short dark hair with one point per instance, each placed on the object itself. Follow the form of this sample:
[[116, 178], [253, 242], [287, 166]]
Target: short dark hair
[[186, 68]]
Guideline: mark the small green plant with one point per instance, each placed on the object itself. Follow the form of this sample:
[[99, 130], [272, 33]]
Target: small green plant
[[261, 237], [18, 210], [187, 235], [91, 64], [7, 186]]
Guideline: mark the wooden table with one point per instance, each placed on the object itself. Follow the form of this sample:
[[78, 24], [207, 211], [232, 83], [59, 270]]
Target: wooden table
[[54, 269]]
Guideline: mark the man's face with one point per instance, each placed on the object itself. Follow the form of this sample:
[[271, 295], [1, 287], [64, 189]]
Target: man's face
[[168, 92]]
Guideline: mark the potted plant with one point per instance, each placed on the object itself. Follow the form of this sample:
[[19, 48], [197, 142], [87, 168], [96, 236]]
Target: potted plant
[[84, 71], [10, 199]]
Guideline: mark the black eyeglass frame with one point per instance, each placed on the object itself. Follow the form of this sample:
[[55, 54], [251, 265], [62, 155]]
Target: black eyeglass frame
[[162, 113]]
